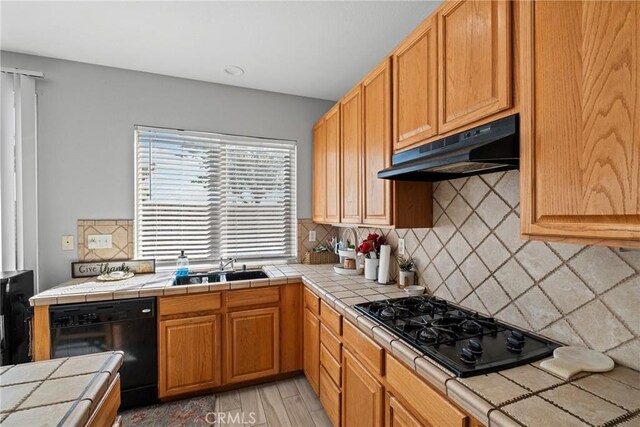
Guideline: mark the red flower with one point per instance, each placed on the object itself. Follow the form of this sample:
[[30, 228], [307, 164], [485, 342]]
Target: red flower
[[371, 244], [365, 247]]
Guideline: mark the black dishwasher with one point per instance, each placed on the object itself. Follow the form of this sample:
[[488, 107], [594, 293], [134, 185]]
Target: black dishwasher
[[126, 325]]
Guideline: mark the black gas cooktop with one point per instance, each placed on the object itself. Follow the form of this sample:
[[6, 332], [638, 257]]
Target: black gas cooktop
[[465, 342]]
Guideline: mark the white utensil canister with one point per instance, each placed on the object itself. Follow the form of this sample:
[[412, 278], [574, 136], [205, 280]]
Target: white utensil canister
[[371, 268]]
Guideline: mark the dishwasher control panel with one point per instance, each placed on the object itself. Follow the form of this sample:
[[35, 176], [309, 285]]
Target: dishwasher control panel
[[70, 315]]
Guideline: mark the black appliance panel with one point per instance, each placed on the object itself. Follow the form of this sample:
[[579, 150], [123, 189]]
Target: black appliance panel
[[16, 287], [128, 326]]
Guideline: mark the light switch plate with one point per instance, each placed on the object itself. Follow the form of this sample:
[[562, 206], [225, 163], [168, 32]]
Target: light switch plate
[[312, 235], [99, 241], [67, 243], [401, 246]]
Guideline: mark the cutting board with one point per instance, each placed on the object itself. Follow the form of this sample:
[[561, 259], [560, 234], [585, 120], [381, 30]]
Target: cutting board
[[568, 361]]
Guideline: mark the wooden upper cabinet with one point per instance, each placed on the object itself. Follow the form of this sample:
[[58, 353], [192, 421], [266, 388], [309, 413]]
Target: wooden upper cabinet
[[580, 136], [351, 159], [319, 170], [332, 189], [252, 344], [415, 100], [376, 145], [474, 48], [189, 355], [362, 395]]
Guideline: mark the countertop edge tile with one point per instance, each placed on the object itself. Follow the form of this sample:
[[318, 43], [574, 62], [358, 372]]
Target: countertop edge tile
[[469, 400], [433, 373]]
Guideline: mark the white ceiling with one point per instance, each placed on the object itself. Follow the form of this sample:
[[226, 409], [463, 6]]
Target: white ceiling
[[317, 49]]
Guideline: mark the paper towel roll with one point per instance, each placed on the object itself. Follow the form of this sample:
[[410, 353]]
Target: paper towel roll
[[383, 270]]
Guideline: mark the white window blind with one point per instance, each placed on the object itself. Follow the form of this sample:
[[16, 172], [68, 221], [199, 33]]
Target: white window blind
[[214, 195]]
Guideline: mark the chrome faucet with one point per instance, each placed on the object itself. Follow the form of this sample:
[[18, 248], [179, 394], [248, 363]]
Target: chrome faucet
[[223, 263]]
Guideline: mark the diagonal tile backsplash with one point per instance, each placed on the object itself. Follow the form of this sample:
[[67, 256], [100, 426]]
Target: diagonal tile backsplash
[[585, 295], [323, 233]]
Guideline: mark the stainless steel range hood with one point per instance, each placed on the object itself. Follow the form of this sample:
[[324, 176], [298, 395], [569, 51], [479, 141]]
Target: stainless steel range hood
[[488, 148]]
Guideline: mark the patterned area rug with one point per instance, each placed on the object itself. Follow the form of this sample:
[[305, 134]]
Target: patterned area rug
[[187, 412]]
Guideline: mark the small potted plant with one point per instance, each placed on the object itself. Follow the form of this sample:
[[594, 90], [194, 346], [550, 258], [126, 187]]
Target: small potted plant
[[407, 274], [370, 248]]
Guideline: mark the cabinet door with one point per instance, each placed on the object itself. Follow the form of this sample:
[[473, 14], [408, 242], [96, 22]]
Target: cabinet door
[[189, 355], [291, 312], [580, 139], [415, 96], [362, 395], [397, 415], [474, 46], [253, 344], [311, 356], [351, 160], [330, 397], [332, 192], [319, 170], [376, 145]]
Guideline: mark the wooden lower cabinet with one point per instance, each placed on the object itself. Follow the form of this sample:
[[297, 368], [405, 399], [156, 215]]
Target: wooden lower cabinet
[[431, 406], [330, 397], [106, 412], [362, 395], [253, 344], [189, 355], [291, 312], [397, 415], [311, 353]]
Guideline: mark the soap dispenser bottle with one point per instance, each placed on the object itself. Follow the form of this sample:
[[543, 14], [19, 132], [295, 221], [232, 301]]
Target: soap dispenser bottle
[[182, 265]]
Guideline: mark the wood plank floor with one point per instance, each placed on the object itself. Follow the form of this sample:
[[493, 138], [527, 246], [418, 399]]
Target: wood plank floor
[[287, 403]]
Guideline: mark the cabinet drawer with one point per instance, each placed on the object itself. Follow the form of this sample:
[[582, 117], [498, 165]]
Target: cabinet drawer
[[368, 352], [331, 318], [330, 397], [311, 301], [331, 365], [181, 304], [333, 344], [247, 297], [431, 406]]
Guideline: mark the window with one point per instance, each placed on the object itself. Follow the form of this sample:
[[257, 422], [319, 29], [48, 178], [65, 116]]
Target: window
[[214, 195]]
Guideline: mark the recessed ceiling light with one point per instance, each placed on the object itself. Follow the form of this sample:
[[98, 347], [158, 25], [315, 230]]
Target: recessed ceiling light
[[234, 70]]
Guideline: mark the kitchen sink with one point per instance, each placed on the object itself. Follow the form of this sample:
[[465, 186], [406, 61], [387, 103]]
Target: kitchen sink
[[226, 276]]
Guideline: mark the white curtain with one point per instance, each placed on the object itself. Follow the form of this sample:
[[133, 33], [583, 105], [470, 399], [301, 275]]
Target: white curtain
[[18, 174]]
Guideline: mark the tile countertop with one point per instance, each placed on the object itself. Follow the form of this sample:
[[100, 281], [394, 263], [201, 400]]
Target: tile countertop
[[58, 392], [525, 395]]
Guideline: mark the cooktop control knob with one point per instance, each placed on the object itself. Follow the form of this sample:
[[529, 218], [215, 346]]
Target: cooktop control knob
[[467, 356], [475, 347], [517, 335], [514, 344]]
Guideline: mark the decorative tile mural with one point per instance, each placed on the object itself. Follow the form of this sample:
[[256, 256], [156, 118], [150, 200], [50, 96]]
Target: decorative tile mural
[[323, 233], [121, 232], [576, 294]]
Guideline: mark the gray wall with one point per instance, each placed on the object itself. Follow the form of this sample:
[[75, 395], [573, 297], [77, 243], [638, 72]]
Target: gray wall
[[86, 115]]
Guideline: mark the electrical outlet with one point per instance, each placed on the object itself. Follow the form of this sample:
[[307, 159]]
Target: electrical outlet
[[67, 243], [312, 235], [99, 241], [401, 246]]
